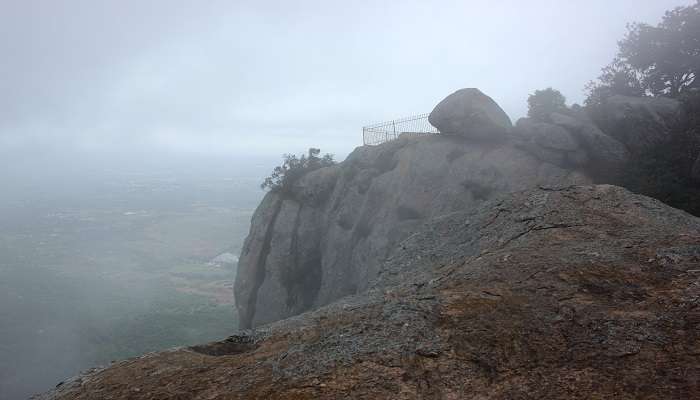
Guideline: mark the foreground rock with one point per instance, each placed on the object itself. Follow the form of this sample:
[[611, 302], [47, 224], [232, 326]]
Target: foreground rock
[[328, 238], [573, 293], [472, 114]]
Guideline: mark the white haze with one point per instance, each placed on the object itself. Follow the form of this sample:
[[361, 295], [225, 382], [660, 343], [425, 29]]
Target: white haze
[[261, 77]]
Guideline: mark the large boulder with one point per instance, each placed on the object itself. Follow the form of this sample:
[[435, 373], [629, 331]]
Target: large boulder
[[573, 293], [640, 122], [550, 143], [607, 155], [695, 173], [471, 114], [328, 237]]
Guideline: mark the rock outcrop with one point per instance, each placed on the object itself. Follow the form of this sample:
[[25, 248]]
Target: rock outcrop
[[695, 173], [584, 292], [641, 122], [550, 143], [607, 155], [472, 114], [328, 237]]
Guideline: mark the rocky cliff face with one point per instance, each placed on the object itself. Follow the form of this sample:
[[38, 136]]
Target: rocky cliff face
[[327, 239], [578, 293], [641, 122]]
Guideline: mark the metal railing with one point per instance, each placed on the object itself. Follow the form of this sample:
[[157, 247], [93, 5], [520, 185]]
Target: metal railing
[[383, 132]]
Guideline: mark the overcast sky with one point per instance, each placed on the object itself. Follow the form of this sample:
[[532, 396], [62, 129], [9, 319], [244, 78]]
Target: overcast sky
[[265, 77]]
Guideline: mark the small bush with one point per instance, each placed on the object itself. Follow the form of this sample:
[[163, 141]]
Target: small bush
[[544, 102], [293, 168]]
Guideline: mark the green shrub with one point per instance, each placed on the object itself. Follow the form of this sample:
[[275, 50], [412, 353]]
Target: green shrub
[[293, 168], [654, 60], [659, 60], [544, 102]]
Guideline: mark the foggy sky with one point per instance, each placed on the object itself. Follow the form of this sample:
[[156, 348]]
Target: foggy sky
[[263, 77]]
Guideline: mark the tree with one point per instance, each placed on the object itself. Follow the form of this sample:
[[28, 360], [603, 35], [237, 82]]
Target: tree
[[654, 61], [616, 78], [544, 102], [658, 61], [664, 171], [293, 168]]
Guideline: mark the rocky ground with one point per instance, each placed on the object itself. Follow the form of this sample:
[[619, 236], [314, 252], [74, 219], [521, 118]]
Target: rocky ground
[[581, 292]]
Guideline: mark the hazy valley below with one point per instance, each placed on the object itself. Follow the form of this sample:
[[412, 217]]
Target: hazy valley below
[[100, 264]]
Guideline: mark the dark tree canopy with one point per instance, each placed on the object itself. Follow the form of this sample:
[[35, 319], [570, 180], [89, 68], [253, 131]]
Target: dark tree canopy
[[544, 102], [654, 60], [293, 168], [664, 171], [662, 60]]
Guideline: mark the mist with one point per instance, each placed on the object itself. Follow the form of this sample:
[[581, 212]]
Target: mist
[[135, 135], [274, 77]]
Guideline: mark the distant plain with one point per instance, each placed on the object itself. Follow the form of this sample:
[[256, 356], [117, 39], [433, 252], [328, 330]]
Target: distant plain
[[103, 264]]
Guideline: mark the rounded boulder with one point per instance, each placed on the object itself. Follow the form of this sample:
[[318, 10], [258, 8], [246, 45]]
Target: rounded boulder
[[471, 114]]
